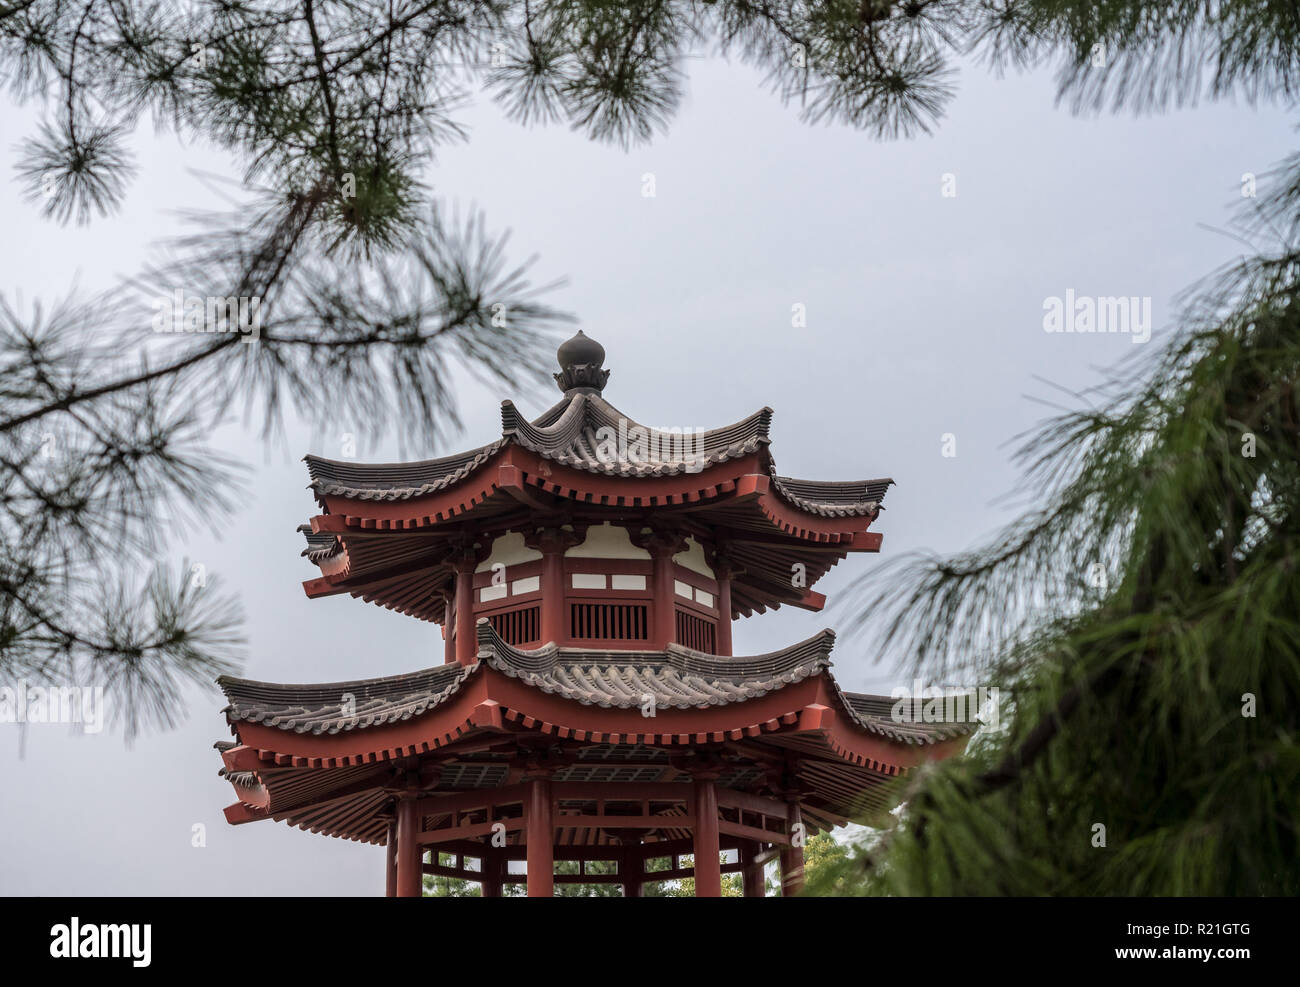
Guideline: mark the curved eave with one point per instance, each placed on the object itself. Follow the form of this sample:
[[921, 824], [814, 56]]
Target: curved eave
[[575, 434], [839, 498], [515, 478], [515, 485], [807, 717], [798, 695], [296, 760], [393, 481]]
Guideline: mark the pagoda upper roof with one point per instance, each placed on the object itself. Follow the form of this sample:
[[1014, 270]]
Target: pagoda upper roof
[[583, 460], [570, 433]]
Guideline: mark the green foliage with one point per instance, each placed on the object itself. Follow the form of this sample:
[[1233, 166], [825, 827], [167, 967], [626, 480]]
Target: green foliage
[[684, 887], [594, 890], [436, 886], [439, 886], [1162, 702], [825, 866]]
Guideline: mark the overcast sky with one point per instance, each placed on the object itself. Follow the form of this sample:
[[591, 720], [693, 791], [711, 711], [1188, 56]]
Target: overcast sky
[[924, 317]]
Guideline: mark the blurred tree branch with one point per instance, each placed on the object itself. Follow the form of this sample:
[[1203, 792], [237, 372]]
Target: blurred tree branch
[[366, 292]]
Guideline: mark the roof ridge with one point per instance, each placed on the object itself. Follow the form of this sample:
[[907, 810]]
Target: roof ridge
[[544, 438], [812, 653], [228, 682]]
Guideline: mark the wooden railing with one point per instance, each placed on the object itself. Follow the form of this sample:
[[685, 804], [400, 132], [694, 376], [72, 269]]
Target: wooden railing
[[608, 621], [520, 628], [696, 632]]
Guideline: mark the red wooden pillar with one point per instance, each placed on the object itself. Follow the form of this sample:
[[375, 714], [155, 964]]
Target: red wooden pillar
[[662, 546], [449, 627], [664, 608], [752, 873], [631, 866], [390, 857], [708, 868], [493, 863], [410, 862], [540, 837], [792, 855], [466, 642], [723, 574], [553, 542], [553, 590]]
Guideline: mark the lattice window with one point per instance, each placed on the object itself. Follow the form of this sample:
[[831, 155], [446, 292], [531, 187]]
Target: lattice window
[[696, 632], [609, 773], [473, 775], [608, 621], [517, 627]]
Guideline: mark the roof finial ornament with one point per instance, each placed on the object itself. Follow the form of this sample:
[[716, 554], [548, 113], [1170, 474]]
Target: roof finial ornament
[[581, 371]]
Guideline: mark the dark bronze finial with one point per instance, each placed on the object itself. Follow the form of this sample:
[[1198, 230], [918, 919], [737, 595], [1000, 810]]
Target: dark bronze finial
[[581, 365]]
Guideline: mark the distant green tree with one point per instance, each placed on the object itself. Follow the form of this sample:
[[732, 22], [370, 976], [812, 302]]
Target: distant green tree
[[684, 887], [594, 890], [437, 886], [822, 854], [450, 887]]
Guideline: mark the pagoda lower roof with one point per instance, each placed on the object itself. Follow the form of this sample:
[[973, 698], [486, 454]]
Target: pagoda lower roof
[[676, 678], [319, 755]]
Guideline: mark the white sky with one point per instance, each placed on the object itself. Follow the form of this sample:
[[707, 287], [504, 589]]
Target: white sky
[[924, 317]]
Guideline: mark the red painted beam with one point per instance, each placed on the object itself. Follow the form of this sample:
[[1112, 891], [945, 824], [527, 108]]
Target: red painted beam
[[816, 602], [865, 541], [320, 586], [240, 813], [336, 524], [242, 758]]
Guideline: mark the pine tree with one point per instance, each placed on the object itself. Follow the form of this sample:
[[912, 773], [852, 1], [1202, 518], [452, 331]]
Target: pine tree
[[1143, 627], [370, 295]]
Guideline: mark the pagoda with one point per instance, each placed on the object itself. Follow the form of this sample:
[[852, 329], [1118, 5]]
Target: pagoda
[[585, 571]]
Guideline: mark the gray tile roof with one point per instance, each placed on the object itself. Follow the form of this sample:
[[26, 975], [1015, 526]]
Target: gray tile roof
[[394, 481], [319, 546], [676, 678], [570, 433], [848, 498], [333, 707], [573, 437]]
